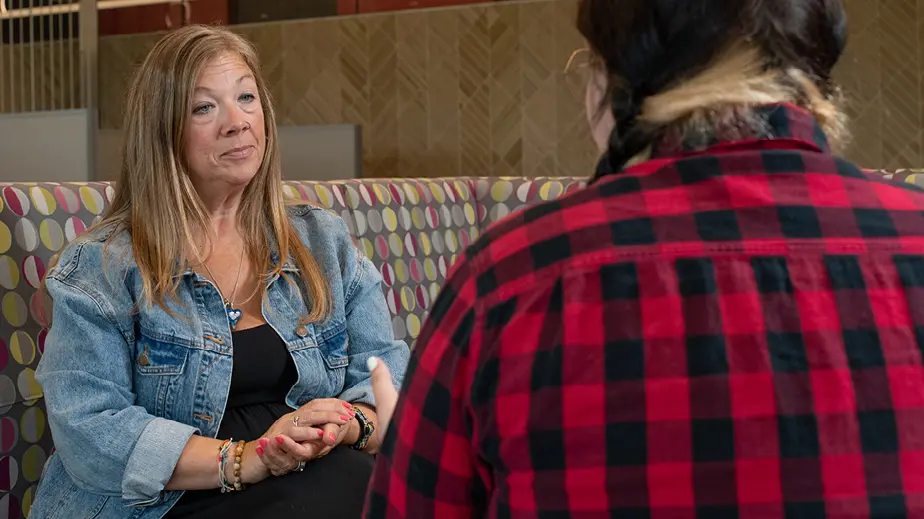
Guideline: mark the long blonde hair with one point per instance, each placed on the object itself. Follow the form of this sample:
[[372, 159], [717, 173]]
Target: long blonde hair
[[155, 199]]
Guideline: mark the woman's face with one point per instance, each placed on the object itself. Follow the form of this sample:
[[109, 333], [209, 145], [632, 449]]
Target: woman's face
[[225, 137], [599, 117]]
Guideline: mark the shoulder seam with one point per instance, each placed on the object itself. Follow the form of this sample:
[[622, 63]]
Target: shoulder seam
[[303, 209], [62, 272], [105, 310]]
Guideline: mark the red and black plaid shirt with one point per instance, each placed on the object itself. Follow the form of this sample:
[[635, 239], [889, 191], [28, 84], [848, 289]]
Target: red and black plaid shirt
[[733, 333]]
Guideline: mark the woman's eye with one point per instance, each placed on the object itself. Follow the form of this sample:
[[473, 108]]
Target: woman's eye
[[248, 98], [202, 109]]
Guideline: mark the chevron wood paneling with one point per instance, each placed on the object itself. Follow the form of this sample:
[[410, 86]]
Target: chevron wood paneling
[[444, 118], [480, 89], [474, 90], [860, 76], [413, 87], [541, 73], [381, 150], [506, 101], [901, 131]]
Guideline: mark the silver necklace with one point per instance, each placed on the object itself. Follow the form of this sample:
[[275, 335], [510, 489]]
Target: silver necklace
[[234, 314]]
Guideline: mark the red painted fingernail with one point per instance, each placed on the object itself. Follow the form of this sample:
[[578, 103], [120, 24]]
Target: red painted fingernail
[[264, 442], [259, 451], [320, 433], [352, 413], [332, 437], [348, 405], [345, 418], [279, 440]]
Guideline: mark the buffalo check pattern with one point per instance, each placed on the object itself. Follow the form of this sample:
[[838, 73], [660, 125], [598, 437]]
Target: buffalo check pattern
[[729, 333]]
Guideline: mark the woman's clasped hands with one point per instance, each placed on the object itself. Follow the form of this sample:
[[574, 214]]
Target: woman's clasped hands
[[304, 435]]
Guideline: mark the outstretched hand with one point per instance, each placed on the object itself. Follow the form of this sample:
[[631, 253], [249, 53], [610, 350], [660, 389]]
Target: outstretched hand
[[386, 396]]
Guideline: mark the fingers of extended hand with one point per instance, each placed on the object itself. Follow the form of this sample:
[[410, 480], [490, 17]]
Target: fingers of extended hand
[[386, 396]]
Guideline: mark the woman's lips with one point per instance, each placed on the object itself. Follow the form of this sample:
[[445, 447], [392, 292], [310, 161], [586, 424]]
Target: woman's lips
[[238, 153]]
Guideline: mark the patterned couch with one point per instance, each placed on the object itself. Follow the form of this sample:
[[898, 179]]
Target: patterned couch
[[413, 229]]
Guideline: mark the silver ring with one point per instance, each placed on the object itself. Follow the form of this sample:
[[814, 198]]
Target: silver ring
[[295, 420], [300, 467]]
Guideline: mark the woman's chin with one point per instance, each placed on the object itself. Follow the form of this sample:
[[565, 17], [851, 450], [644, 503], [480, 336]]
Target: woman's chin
[[240, 175]]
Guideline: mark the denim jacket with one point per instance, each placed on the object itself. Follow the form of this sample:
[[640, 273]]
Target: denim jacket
[[125, 388]]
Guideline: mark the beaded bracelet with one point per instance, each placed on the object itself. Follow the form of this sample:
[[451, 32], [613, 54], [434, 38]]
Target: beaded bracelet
[[238, 455]]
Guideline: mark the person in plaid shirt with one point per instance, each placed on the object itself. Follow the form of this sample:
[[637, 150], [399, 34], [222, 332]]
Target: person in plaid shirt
[[727, 323]]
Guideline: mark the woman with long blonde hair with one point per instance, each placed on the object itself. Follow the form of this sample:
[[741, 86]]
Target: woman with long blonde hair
[[207, 354]]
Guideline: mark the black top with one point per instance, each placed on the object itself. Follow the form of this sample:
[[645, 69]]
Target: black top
[[263, 374]]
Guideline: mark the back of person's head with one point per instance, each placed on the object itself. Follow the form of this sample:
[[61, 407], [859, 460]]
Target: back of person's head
[[675, 67]]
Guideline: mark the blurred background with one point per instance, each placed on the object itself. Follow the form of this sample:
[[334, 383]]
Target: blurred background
[[389, 88]]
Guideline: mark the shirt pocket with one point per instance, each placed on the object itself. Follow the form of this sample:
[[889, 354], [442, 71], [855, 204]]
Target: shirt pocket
[[159, 365]]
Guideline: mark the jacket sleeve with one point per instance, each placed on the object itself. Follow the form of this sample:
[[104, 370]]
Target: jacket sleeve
[[368, 325], [107, 444]]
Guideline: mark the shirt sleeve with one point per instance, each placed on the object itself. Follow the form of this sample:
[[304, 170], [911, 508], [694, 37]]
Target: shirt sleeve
[[107, 444], [426, 468]]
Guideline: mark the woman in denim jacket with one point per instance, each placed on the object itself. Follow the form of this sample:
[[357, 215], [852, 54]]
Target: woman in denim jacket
[[209, 343]]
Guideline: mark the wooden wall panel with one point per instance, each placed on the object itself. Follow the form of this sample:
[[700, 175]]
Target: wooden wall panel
[[479, 90]]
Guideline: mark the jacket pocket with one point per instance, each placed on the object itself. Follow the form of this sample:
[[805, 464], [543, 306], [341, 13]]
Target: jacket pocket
[[333, 343], [159, 364], [156, 356]]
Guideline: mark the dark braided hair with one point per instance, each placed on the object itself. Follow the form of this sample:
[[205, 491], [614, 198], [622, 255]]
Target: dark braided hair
[[650, 46]]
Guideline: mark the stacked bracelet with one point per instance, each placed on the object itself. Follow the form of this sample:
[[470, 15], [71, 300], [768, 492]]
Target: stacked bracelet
[[235, 484], [366, 429], [222, 459]]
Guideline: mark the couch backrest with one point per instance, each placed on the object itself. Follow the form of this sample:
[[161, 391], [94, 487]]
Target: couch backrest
[[412, 229], [910, 176]]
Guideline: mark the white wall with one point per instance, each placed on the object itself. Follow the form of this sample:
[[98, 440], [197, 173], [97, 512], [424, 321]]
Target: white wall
[[44, 147], [326, 152], [52, 147]]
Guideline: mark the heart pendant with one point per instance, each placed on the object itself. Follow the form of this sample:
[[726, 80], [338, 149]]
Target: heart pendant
[[234, 315]]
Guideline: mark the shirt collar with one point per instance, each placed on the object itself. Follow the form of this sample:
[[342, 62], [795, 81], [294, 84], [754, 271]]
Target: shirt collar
[[782, 122]]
